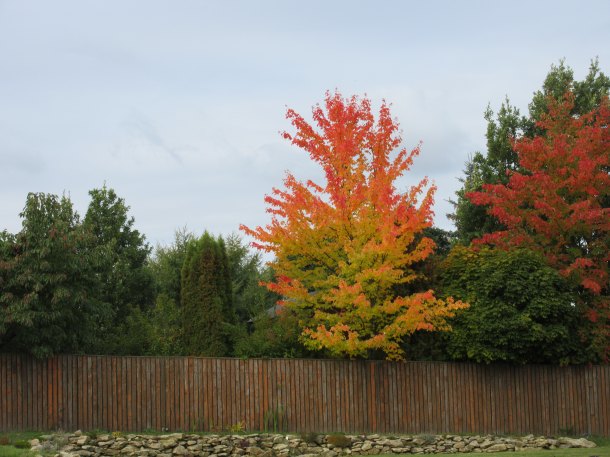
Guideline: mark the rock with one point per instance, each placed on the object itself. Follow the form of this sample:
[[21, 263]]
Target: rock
[[84, 439], [577, 442], [78, 433], [392, 443], [129, 449], [459, 445], [180, 450], [280, 447], [34, 442], [168, 443], [496, 448], [367, 445], [485, 444]]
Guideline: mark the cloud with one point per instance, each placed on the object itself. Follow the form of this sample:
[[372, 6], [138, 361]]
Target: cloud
[[140, 140]]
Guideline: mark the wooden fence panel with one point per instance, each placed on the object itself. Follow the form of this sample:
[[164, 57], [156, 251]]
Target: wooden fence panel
[[206, 394]]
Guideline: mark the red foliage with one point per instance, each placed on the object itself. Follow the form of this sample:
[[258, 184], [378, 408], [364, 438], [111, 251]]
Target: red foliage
[[559, 202]]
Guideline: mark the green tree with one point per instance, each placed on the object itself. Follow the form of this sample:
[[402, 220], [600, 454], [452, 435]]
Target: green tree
[[165, 327], [474, 221], [48, 298], [125, 281], [250, 299], [521, 310], [274, 334], [207, 309], [166, 265]]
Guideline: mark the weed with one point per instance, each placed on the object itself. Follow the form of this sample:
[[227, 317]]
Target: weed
[[239, 427], [4, 440], [339, 440], [21, 444], [117, 434], [274, 419], [308, 437], [428, 439]]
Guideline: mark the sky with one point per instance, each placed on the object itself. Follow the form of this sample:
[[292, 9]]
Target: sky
[[179, 105]]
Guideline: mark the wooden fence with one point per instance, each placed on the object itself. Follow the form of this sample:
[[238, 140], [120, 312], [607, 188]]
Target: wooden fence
[[201, 394]]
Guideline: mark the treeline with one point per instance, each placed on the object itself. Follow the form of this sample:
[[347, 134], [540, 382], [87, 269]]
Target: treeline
[[93, 285], [535, 274]]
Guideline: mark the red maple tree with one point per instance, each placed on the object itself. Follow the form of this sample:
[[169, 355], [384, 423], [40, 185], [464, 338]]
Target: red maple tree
[[559, 202], [342, 246]]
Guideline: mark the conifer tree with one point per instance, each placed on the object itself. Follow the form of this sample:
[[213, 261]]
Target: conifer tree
[[207, 309]]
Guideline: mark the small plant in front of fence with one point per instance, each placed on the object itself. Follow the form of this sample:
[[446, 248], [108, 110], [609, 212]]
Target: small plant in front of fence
[[21, 444], [309, 437], [339, 440], [427, 438], [117, 434], [238, 427], [4, 440], [274, 419]]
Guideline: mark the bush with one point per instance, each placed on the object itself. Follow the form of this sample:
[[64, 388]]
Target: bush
[[339, 440], [521, 310]]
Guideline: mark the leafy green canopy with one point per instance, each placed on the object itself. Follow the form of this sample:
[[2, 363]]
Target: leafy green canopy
[[49, 300], [521, 310]]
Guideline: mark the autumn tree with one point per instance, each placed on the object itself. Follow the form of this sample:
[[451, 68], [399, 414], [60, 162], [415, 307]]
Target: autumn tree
[[491, 167], [342, 246], [558, 203]]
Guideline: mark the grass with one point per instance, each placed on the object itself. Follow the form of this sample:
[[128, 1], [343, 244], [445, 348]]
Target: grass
[[15, 437]]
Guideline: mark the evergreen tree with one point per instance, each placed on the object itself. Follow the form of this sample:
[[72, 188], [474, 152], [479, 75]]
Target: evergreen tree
[[207, 308], [126, 284]]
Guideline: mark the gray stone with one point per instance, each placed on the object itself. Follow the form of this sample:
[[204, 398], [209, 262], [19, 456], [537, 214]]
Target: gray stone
[[84, 439], [179, 450], [168, 443], [577, 442], [84, 453], [497, 448]]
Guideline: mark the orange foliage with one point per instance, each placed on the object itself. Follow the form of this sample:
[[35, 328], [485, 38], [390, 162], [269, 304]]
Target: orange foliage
[[341, 247]]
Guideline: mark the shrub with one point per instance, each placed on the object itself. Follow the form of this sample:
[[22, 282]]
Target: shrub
[[339, 440]]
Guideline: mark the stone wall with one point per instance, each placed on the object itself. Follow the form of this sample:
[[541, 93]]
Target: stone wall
[[81, 444]]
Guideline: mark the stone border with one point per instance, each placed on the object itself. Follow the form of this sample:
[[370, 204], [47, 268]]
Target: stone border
[[79, 444]]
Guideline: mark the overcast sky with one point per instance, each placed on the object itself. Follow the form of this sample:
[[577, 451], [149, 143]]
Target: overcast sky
[[177, 105]]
